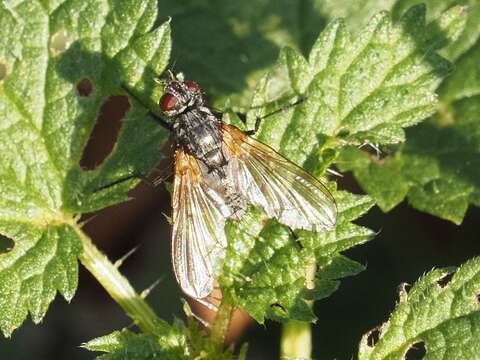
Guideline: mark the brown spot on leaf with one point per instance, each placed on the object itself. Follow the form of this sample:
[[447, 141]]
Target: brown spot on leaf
[[84, 87]]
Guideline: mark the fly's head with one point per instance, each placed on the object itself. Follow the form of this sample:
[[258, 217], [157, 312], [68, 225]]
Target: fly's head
[[179, 96]]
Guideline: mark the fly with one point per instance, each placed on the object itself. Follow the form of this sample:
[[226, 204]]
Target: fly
[[219, 171]]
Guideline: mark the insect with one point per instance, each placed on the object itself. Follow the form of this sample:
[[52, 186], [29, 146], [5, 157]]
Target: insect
[[219, 171]]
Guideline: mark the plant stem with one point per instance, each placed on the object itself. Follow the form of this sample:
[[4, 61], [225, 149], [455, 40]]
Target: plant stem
[[296, 342], [222, 322], [118, 286]]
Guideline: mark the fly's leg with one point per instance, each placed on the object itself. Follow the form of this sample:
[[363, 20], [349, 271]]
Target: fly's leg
[[157, 181], [208, 303], [165, 124], [259, 119], [132, 176], [295, 238], [201, 320]]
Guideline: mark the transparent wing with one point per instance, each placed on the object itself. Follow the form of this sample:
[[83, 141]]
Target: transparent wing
[[198, 238], [284, 190]]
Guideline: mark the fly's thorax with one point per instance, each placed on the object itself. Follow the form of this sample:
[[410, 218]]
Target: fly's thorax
[[198, 132]]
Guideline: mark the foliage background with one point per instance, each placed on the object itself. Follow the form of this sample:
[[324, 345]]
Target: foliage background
[[210, 45]]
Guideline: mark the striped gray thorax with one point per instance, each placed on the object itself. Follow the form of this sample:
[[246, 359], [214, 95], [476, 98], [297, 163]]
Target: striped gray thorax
[[197, 130]]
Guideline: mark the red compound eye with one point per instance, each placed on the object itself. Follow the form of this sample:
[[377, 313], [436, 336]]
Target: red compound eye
[[192, 85], [168, 102]]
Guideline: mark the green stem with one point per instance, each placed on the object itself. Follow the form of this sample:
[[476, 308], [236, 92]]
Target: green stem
[[222, 322], [118, 286], [296, 342]]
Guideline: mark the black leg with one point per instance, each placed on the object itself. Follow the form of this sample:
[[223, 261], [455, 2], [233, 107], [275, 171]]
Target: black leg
[[155, 117], [242, 117], [259, 119], [295, 238], [122, 180], [219, 113]]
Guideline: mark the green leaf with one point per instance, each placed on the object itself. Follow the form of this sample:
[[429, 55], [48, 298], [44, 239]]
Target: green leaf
[[355, 89], [266, 267], [180, 342], [125, 344], [227, 46], [46, 49], [441, 316], [437, 169], [469, 11], [356, 13], [43, 261]]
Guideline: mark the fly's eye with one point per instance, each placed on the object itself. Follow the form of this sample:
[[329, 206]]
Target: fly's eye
[[192, 85], [168, 102]]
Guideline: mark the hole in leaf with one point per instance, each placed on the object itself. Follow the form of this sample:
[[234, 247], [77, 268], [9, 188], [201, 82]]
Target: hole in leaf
[[84, 87], [60, 41], [373, 337], [3, 71], [445, 280], [478, 298], [6, 244], [105, 133], [416, 352]]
